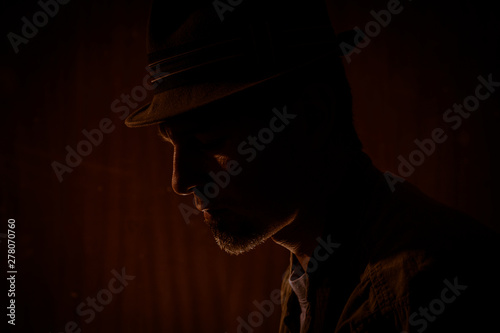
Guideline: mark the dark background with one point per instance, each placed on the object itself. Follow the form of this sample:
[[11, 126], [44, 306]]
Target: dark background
[[116, 209]]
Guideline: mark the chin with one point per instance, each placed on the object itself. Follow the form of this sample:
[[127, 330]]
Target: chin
[[236, 235], [235, 246]]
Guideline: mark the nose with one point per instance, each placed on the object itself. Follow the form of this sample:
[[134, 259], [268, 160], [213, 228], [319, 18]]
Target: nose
[[189, 171]]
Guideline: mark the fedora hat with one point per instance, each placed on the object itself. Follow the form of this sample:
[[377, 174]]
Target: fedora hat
[[200, 51]]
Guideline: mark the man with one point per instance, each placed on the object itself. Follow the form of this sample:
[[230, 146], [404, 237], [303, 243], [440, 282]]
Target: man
[[253, 97]]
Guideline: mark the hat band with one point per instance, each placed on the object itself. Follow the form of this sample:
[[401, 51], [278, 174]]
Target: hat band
[[262, 50]]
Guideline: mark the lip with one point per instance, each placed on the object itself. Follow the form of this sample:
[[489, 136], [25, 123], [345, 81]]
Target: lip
[[212, 207]]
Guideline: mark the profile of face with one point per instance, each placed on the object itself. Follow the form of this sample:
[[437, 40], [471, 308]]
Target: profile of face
[[247, 163]]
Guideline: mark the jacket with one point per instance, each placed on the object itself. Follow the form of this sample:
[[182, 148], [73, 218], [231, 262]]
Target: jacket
[[397, 261]]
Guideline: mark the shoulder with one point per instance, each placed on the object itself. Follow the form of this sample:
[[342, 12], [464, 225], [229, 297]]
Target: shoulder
[[407, 222], [381, 300], [421, 255]]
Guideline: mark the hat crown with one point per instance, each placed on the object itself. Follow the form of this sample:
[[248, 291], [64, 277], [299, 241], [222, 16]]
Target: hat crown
[[179, 26], [201, 51]]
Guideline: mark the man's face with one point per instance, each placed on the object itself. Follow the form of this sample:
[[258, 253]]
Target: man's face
[[244, 162]]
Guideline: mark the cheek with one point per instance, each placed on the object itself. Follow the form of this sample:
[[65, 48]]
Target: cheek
[[275, 175], [222, 161]]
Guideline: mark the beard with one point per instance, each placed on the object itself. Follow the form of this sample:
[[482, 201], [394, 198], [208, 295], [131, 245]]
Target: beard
[[235, 234]]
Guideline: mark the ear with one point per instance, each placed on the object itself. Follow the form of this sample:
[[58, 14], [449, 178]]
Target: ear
[[318, 99]]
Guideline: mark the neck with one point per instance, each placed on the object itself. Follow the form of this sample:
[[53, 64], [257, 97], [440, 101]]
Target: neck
[[299, 237], [314, 217]]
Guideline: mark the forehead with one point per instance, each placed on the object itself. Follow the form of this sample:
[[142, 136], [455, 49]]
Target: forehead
[[239, 110]]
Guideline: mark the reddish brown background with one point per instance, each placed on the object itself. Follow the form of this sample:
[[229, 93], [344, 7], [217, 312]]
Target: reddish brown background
[[117, 208]]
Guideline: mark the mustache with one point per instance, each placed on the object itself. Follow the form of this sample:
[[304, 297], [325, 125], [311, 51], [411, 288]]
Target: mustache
[[199, 203], [202, 203]]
